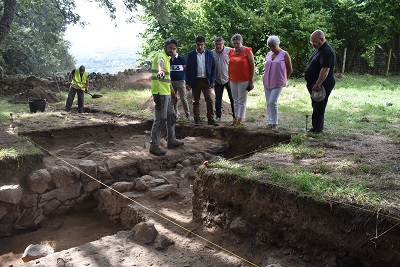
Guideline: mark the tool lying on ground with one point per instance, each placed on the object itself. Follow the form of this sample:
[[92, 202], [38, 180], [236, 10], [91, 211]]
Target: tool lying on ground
[[94, 95]]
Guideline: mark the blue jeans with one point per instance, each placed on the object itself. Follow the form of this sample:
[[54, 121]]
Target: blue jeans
[[164, 114], [219, 91], [71, 96]]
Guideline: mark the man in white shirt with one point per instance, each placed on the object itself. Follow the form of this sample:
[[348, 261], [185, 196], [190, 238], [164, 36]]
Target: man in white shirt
[[200, 77]]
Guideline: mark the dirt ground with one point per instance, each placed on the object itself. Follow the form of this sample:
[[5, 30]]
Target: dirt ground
[[109, 245], [90, 239]]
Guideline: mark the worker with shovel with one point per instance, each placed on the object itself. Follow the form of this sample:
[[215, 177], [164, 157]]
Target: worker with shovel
[[79, 82]]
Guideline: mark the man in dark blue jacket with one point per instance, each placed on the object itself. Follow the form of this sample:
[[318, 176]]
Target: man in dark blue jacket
[[200, 77]]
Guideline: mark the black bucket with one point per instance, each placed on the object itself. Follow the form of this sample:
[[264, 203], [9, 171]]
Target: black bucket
[[37, 104]]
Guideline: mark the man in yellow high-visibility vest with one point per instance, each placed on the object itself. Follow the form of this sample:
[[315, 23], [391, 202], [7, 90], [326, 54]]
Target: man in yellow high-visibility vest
[[79, 83], [164, 112]]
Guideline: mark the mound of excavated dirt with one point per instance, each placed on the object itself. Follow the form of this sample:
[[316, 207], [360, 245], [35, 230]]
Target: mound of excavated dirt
[[36, 93]]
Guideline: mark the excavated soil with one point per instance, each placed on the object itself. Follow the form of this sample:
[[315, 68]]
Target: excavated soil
[[127, 141], [282, 226]]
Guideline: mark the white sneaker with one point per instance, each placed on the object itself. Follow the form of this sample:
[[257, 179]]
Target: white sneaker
[[218, 119]]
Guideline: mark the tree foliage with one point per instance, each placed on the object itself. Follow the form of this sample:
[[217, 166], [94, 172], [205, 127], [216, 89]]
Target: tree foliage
[[7, 18], [31, 31], [355, 24], [35, 44]]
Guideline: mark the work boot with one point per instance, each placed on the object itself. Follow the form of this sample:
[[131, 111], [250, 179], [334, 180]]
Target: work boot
[[156, 150], [212, 122], [175, 144]]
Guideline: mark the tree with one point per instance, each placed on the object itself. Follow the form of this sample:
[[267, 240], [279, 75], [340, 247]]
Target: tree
[[255, 20], [35, 30], [35, 43], [7, 18], [361, 25]]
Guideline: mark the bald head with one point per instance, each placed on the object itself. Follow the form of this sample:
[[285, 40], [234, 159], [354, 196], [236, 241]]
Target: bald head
[[317, 39]]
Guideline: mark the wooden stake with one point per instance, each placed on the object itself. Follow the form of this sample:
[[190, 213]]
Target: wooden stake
[[388, 65], [344, 59]]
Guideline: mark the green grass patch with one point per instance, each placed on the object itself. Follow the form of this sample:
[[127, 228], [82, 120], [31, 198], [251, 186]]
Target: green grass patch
[[314, 185], [17, 146]]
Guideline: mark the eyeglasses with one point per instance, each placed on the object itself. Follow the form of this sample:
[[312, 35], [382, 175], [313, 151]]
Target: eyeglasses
[[314, 42]]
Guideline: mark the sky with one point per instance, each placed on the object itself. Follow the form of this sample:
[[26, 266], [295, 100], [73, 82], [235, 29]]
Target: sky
[[101, 39]]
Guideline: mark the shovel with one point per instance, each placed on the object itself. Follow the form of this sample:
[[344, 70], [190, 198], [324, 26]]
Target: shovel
[[94, 95]]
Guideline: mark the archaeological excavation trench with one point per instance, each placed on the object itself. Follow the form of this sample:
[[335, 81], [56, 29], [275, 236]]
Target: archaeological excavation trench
[[252, 217]]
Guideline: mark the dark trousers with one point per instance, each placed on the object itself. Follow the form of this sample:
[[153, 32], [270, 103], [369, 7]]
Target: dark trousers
[[71, 96], [203, 87], [219, 91], [164, 115], [318, 115]]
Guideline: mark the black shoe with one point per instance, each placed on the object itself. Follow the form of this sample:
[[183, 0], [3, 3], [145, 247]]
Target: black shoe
[[156, 150], [312, 130], [197, 121], [175, 144], [212, 122]]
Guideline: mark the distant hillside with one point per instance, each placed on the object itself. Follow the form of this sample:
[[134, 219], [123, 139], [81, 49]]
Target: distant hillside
[[109, 61]]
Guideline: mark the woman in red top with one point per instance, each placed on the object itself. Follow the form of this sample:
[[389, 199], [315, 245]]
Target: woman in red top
[[241, 75]]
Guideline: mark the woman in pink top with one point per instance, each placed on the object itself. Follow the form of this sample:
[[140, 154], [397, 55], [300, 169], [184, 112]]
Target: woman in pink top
[[278, 67]]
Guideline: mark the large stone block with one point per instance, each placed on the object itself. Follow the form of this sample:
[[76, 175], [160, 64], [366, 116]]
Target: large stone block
[[38, 181], [145, 182], [33, 252], [61, 175], [131, 215], [51, 206], [29, 201], [27, 218], [91, 186], [88, 167], [62, 194], [110, 203], [145, 232], [10, 194], [162, 191]]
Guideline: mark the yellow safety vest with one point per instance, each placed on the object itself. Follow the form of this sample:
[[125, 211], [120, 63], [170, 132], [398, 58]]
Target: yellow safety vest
[[161, 85], [78, 81]]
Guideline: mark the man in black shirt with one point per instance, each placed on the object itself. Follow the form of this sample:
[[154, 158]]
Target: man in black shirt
[[319, 72]]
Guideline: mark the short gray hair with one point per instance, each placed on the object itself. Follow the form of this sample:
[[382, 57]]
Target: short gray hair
[[219, 39], [273, 40], [237, 37]]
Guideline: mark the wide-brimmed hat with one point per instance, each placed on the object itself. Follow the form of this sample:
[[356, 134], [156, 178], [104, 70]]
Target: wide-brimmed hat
[[320, 95]]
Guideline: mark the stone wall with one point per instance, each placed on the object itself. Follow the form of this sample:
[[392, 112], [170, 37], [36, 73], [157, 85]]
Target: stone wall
[[52, 189], [15, 85], [43, 192]]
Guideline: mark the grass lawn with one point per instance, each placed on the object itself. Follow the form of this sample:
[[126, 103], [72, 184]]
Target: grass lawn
[[353, 162]]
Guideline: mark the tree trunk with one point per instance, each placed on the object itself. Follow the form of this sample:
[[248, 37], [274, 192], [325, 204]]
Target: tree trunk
[[7, 18]]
